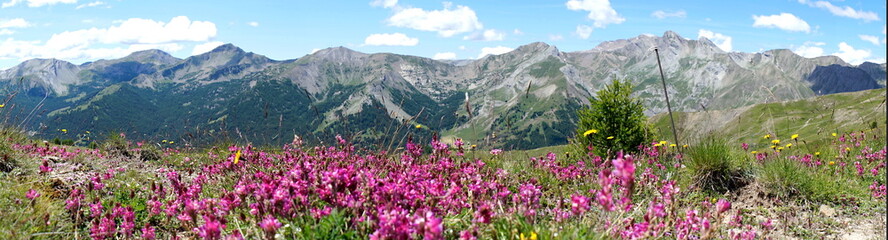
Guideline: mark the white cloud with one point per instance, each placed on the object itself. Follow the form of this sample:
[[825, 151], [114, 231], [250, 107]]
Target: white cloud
[[556, 37], [446, 22], [494, 51], [462, 47], [487, 35], [23, 50], [851, 55], [660, 14], [14, 23], [390, 39], [253, 24], [37, 3], [444, 56], [843, 11], [584, 31], [130, 35], [723, 42], [785, 21], [810, 49], [600, 11], [205, 47], [384, 3], [92, 4], [137, 31], [517, 32], [6, 32], [872, 39]]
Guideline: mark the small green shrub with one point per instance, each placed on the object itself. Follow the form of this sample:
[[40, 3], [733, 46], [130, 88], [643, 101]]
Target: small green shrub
[[714, 166], [116, 145], [617, 119]]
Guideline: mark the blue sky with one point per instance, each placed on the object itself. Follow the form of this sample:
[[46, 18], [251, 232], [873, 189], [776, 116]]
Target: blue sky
[[86, 30]]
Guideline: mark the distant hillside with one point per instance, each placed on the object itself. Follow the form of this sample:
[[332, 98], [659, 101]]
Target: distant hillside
[[525, 98], [813, 118]]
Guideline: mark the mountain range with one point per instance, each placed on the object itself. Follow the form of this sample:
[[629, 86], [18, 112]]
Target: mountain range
[[525, 98]]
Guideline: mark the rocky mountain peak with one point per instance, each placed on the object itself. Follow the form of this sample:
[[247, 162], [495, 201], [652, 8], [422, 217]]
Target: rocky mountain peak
[[228, 47], [155, 56], [538, 47]]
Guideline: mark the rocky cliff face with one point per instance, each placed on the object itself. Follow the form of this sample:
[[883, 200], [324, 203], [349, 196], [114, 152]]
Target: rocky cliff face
[[524, 98], [838, 79]]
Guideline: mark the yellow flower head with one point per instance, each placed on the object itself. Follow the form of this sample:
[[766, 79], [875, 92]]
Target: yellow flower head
[[87, 132], [767, 136], [754, 152], [64, 130], [237, 156], [656, 144], [779, 148], [775, 141], [684, 146], [773, 147], [662, 142], [590, 131], [418, 126], [794, 136], [2, 105], [788, 145], [833, 134], [164, 141], [848, 149], [171, 142], [816, 153], [533, 236], [610, 137], [672, 145], [474, 146], [832, 163]]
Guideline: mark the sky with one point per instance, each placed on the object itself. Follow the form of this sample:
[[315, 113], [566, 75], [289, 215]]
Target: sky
[[86, 30]]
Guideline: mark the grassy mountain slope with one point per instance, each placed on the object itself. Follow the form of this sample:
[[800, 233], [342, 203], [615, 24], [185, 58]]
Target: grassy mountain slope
[[813, 118]]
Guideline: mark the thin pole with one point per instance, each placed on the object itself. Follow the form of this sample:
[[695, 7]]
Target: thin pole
[[666, 93]]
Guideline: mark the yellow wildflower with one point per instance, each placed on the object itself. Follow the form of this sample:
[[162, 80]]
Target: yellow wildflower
[[847, 149], [590, 131], [533, 236], [684, 146], [775, 141], [164, 141], [656, 144], [816, 153], [794, 136], [87, 132], [474, 146], [833, 134], [779, 148], [171, 142], [2, 105], [773, 147], [64, 130], [672, 145], [237, 156], [610, 137], [662, 142], [788, 145], [418, 126], [754, 152], [832, 163], [767, 136]]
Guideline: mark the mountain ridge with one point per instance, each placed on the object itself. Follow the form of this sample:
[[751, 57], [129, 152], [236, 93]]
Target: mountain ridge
[[525, 97]]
